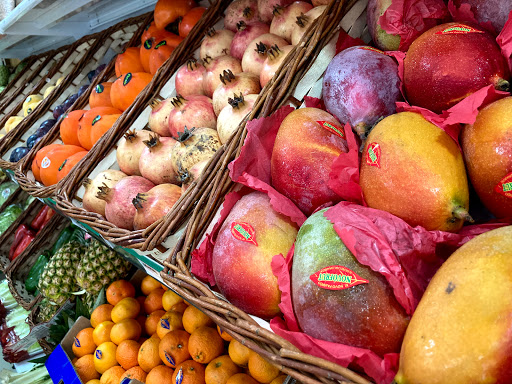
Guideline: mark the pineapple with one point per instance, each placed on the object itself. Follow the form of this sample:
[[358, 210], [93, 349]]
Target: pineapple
[[99, 267], [46, 310], [58, 282]]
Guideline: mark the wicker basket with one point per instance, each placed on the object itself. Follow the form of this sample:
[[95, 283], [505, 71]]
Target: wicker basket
[[69, 197], [7, 238], [18, 270], [86, 54], [116, 38], [298, 75]]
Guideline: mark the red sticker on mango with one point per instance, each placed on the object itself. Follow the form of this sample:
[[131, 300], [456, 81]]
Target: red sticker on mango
[[243, 232], [336, 278], [373, 155], [459, 29], [333, 128], [504, 187]]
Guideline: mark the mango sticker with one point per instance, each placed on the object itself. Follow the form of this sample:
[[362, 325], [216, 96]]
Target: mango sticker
[[458, 29], [243, 232], [99, 88], [373, 155], [179, 376], [504, 187], [127, 78], [336, 278], [45, 163], [333, 128]]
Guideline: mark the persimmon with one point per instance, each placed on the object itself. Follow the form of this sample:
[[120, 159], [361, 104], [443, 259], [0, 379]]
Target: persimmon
[[53, 160], [168, 11], [126, 89], [153, 31], [69, 127], [145, 52], [128, 61], [100, 96], [68, 164], [189, 20], [88, 119], [99, 127], [159, 55], [36, 163]]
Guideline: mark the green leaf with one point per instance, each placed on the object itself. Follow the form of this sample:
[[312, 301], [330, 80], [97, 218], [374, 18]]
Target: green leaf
[[100, 300], [81, 309]]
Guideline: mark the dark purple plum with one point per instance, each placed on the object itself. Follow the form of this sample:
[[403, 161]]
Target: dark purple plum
[[18, 154], [82, 90], [47, 124], [59, 110], [32, 139], [90, 76], [361, 86], [99, 69], [73, 97], [67, 104]]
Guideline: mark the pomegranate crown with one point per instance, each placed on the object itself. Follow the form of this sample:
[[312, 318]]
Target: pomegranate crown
[[177, 101], [236, 101], [186, 134], [103, 192], [261, 48], [138, 200], [241, 25], [130, 135], [302, 20], [247, 12], [152, 142], [273, 51], [211, 32], [226, 76], [191, 64], [278, 10]]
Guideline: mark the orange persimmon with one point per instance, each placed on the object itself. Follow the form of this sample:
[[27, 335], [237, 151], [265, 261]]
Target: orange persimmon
[[68, 164], [128, 61], [36, 163], [99, 127], [167, 11], [69, 127], [87, 121], [100, 96], [126, 89], [189, 20], [53, 160]]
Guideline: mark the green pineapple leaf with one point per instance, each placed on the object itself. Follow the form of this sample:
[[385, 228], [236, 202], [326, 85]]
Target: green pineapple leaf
[[81, 309], [100, 299]]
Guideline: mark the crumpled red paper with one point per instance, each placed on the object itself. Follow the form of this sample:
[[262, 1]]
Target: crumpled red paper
[[346, 41], [407, 257], [504, 40], [410, 18], [464, 14]]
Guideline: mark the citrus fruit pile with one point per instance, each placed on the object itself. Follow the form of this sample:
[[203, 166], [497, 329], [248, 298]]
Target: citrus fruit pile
[[152, 335]]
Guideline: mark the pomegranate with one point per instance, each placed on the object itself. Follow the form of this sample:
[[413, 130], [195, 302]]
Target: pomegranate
[[159, 116], [154, 204], [449, 62], [265, 8], [304, 21], [244, 35], [216, 43], [232, 114], [129, 150], [275, 57], [256, 52], [308, 141], [119, 209], [214, 68], [241, 10], [189, 79], [193, 111], [361, 86], [155, 160], [193, 146], [193, 174], [239, 84], [109, 178], [284, 19]]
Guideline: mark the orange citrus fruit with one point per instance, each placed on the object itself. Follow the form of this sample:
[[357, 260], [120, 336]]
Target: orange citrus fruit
[[205, 344], [168, 322], [141, 300], [239, 353], [141, 319], [190, 372], [101, 333], [279, 379], [74, 360], [118, 290], [164, 287], [149, 284], [154, 301], [220, 369], [127, 329], [193, 318], [127, 308], [148, 357], [127, 352], [159, 375], [169, 299], [224, 334], [241, 378], [93, 381], [112, 375], [179, 307], [152, 321], [261, 370], [84, 343], [105, 356], [173, 348], [84, 367], [135, 373], [101, 314]]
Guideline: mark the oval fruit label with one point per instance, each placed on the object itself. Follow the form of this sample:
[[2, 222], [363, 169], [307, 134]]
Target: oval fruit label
[[169, 358], [336, 278], [333, 128], [77, 343], [163, 42], [243, 232], [127, 78], [165, 324], [373, 155], [179, 376], [96, 119], [459, 29], [99, 354], [148, 44], [45, 163], [504, 187], [99, 88], [63, 164]]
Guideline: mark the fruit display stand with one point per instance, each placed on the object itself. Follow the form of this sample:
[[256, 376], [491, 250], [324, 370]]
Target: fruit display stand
[[89, 53]]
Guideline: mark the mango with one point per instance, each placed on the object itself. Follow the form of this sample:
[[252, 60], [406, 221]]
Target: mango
[[381, 38], [414, 170], [487, 148], [460, 332], [12, 122], [30, 103], [251, 235], [48, 91], [366, 315]]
